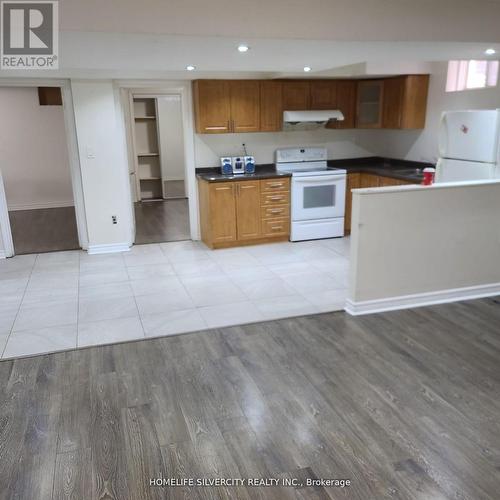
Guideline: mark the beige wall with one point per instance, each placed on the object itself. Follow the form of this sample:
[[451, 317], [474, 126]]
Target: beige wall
[[33, 151], [340, 144], [416, 240], [422, 145]]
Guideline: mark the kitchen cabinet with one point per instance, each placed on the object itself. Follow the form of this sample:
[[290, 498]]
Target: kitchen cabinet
[[369, 104], [234, 213], [296, 95], [405, 102], [323, 94], [223, 106], [346, 102], [244, 105], [271, 107], [369, 180], [247, 217], [212, 106]]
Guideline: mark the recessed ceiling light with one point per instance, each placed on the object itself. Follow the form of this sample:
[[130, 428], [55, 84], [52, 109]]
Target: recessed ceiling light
[[307, 69], [243, 48], [190, 67], [490, 52]]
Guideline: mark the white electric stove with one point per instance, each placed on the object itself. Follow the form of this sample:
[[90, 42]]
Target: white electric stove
[[318, 193]]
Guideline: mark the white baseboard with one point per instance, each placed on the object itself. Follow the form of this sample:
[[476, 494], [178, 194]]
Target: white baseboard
[[421, 299], [3, 255], [108, 248], [37, 206]]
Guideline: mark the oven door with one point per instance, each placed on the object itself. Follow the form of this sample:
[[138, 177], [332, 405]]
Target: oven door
[[318, 197]]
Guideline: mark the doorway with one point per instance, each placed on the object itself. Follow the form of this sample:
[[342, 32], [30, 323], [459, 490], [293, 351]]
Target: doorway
[[158, 179], [36, 170]]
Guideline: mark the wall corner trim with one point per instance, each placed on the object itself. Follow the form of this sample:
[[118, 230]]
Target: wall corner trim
[[108, 248], [421, 299]]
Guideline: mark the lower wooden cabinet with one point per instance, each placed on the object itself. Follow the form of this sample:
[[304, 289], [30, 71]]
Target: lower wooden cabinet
[[236, 213], [357, 180]]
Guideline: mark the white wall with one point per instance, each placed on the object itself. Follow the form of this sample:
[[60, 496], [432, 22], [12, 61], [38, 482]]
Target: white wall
[[340, 144], [100, 132], [422, 145], [33, 151], [171, 137], [416, 240]]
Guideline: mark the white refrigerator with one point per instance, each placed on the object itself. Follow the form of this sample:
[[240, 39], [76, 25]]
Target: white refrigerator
[[469, 144]]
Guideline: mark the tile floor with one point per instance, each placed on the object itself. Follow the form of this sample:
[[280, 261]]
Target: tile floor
[[63, 300]]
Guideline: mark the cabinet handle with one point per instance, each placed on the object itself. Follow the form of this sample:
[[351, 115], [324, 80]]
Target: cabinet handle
[[277, 185], [276, 198], [215, 128], [276, 211], [276, 228]]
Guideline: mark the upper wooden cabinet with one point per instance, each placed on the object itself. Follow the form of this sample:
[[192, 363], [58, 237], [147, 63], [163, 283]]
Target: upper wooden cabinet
[[296, 95], [323, 94], [271, 107], [212, 106], [245, 105], [369, 104], [405, 102], [223, 106]]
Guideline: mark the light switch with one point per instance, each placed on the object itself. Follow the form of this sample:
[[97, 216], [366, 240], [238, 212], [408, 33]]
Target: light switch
[[90, 153]]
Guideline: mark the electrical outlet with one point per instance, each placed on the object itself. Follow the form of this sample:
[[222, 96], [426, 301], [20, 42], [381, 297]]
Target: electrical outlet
[[114, 219]]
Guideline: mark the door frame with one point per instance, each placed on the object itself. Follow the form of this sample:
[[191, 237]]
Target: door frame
[[147, 88], [73, 157]]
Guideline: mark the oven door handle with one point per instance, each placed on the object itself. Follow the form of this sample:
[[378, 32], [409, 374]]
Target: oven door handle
[[319, 178]]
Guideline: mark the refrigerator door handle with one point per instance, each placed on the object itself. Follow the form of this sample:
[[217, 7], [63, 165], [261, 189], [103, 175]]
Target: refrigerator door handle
[[443, 136]]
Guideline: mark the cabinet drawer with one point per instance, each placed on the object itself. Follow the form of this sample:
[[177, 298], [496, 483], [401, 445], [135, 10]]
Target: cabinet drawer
[[275, 185], [276, 227], [269, 212], [278, 198]]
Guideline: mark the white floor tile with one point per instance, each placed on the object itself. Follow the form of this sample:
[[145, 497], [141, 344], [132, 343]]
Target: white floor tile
[[109, 331], [207, 291], [287, 268], [145, 254], [266, 288], [230, 314], [40, 297], [66, 257], [285, 307], [328, 300], [185, 251], [50, 280], [246, 274], [9, 286], [172, 322], [17, 263], [31, 318], [162, 302], [41, 340], [339, 245], [207, 267], [167, 285], [106, 291], [338, 265], [149, 271], [103, 277], [108, 308], [3, 341], [313, 282]]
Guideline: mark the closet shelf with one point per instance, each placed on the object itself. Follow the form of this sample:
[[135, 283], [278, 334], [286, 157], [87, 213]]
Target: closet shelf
[[148, 154], [144, 117]]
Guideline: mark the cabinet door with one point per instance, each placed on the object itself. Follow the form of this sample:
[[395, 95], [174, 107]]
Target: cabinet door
[[346, 102], [369, 104], [271, 107], [393, 102], [369, 180], [212, 106], [248, 209], [323, 94], [296, 96], [245, 105], [353, 182], [222, 211], [414, 107]]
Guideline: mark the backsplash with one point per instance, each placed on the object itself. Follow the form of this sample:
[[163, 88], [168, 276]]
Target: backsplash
[[340, 144]]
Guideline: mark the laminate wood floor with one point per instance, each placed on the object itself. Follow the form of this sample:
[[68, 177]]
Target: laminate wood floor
[[404, 404], [44, 230], [161, 221]]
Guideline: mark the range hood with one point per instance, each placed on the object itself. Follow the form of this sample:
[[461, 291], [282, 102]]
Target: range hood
[[309, 120]]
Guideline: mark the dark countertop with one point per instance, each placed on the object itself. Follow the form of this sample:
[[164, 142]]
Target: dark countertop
[[388, 167]]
